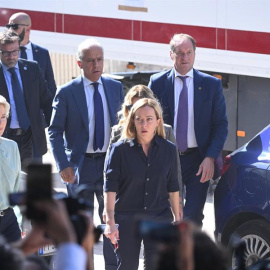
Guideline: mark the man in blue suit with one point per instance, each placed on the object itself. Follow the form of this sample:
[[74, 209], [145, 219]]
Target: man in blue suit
[[193, 103], [78, 150], [32, 95], [21, 24]]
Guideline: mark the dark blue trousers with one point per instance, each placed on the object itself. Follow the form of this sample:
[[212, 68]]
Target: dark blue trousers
[[196, 192], [9, 227], [130, 244], [91, 177]]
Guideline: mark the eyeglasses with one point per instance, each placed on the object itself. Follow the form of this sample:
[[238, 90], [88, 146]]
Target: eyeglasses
[[7, 54], [15, 26]]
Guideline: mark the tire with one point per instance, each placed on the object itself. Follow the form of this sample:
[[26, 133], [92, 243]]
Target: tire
[[256, 235]]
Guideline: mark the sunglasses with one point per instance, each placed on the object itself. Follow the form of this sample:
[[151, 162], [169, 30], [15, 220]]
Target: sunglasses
[[15, 26]]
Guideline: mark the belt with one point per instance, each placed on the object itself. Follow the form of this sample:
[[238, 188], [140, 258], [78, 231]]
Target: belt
[[4, 212], [189, 151], [17, 131], [95, 155]]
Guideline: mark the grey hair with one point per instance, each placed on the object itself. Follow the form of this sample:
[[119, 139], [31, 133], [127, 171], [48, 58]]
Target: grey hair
[[86, 45]]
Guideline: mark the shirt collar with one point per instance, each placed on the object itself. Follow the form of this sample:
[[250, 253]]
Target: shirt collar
[[28, 46], [5, 68], [87, 82], [189, 74], [134, 141]]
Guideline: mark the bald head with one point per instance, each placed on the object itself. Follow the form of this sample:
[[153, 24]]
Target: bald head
[[23, 21], [21, 18]]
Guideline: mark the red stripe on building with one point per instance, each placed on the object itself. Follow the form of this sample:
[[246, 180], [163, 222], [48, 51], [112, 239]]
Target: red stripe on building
[[206, 37]]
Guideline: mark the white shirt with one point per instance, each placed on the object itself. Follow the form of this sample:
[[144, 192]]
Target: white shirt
[[178, 86], [29, 51], [89, 93]]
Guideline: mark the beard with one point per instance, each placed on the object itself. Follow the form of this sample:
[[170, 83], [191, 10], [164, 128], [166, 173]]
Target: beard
[[21, 35]]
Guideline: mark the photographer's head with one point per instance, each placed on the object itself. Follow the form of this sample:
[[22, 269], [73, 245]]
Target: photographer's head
[[10, 258]]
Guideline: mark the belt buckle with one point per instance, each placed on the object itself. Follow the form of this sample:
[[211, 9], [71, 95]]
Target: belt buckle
[[2, 213], [181, 153]]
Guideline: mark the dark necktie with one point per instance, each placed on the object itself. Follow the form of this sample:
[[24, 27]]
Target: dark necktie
[[21, 110], [99, 119], [23, 52], [182, 117]]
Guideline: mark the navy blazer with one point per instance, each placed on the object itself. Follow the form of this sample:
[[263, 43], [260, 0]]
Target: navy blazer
[[37, 97], [69, 129], [210, 119], [42, 56]]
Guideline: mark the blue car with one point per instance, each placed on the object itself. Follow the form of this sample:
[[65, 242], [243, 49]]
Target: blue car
[[242, 198]]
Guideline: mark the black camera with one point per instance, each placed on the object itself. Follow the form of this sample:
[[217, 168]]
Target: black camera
[[39, 187], [157, 231]]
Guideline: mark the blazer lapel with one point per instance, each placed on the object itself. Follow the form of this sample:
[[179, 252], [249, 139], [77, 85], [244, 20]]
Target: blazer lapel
[[35, 53], [80, 98], [110, 99], [169, 87], [198, 92]]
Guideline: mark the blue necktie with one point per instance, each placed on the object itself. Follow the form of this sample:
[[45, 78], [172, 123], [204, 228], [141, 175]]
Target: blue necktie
[[99, 119], [182, 117], [23, 52], [21, 110]]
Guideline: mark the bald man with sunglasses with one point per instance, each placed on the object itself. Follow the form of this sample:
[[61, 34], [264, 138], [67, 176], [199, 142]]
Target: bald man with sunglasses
[[21, 24]]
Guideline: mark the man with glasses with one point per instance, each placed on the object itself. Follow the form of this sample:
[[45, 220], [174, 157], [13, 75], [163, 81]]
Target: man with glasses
[[194, 106], [23, 86], [21, 24]]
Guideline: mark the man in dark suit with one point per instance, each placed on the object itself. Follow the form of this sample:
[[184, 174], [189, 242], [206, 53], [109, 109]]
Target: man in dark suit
[[21, 24], [73, 125], [23, 85], [84, 110], [194, 105]]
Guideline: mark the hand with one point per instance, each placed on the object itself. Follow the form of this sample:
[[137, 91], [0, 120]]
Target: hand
[[68, 175], [33, 241], [206, 169], [112, 233], [57, 225]]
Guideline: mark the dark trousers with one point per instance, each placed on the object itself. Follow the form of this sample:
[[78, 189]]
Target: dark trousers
[[25, 145], [196, 192], [9, 227], [91, 177], [130, 243]]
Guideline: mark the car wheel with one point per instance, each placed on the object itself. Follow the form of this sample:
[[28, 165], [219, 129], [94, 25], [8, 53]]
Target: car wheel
[[256, 235]]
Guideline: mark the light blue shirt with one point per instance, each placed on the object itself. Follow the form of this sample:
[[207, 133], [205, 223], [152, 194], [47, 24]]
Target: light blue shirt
[[14, 119], [70, 256], [10, 170]]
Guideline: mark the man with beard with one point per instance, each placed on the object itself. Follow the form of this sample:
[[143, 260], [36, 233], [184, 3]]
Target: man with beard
[[21, 24], [23, 86]]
